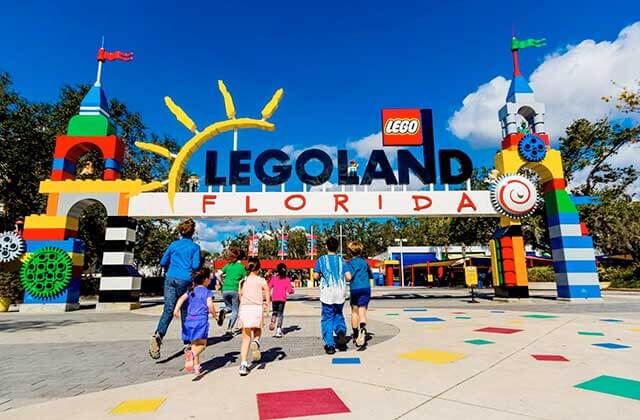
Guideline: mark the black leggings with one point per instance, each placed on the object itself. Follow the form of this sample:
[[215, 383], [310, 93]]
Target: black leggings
[[278, 312]]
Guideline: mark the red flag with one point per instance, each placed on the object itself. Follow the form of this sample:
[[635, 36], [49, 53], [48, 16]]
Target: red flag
[[114, 55]]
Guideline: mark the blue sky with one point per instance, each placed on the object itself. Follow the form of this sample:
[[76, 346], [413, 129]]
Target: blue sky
[[339, 62]]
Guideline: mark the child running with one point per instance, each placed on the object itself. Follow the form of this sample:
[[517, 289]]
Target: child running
[[280, 285], [199, 301], [230, 275], [332, 270], [360, 292], [253, 292]]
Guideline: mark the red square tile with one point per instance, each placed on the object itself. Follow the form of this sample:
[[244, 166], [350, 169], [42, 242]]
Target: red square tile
[[305, 402], [498, 330], [458, 313], [550, 357]]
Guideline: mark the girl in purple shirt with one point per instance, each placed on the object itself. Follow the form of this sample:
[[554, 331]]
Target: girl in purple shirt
[[195, 330], [280, 285]]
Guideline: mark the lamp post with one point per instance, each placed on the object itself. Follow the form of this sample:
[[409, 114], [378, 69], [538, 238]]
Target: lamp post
[[401, 241]]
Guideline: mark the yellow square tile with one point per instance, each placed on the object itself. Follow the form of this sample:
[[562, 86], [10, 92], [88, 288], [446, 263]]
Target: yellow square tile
[[138, 406], [433, 356], [635, 329], [436, 327], [515, 321]]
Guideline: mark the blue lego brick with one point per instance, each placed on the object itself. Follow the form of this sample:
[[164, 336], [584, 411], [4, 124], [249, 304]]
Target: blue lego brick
[[575, 266], [575, 291]]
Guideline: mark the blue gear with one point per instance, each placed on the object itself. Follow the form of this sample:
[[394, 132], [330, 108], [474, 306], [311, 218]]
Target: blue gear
[[532, 148]]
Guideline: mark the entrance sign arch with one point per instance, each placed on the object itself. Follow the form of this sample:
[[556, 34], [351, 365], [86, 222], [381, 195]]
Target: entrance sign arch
[[525, 144]]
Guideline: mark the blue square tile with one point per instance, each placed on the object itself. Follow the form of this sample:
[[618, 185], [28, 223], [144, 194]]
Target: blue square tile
[[427, 319], [611, 320], [415, 309], [497, 312], [345, 361], [612, 346]]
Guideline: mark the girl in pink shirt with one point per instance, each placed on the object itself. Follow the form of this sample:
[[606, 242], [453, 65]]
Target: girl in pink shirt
[[280, 285], [254, 296]]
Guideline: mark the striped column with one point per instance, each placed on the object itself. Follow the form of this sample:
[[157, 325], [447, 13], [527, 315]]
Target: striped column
[[120, 282], [574, 260]]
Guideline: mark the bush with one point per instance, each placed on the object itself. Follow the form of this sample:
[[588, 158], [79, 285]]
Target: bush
[[89, 285], [541, 274], [10, 285], [621, 277]]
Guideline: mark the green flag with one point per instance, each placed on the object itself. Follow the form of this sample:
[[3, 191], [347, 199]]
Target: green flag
[[518, 45]]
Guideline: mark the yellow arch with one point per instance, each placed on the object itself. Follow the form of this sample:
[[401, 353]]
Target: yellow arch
[[177, 169]]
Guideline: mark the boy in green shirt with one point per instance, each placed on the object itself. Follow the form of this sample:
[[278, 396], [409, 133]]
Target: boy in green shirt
[[230, 276]]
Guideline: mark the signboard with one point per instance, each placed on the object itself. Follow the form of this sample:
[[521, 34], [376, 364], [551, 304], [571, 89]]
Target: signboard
[[283, 246], [312, 245], [265, 205], [253, 246], [471, 276], [402, 127]]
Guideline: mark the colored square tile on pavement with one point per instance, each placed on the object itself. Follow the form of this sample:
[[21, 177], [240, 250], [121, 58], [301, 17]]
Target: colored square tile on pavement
[[515, 321], [635, 329], [463, 317], [550, 357], [497, 330], [433, 356], [458, 313], [299, 403], [614, 346], [479, 342], [612, 385], [539, 316], [590, 333], [415, 309], [392, 314], [345, 361], [427, 319], [611, 320], [497, 312], [138, 406]]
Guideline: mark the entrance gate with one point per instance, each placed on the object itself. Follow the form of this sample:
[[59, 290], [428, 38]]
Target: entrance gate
[[525, 144]]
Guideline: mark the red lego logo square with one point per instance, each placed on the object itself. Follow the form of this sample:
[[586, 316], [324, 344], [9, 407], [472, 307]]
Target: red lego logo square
[[401, 127]]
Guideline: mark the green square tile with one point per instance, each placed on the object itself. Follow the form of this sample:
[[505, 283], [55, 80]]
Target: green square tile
[[590, 333], [620, 387], [463, 317], [539, 316], [392, 314], [479, 342]]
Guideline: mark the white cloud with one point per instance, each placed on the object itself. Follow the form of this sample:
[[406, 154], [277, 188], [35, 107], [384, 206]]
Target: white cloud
[[211, 246], [365, 145], [294, 151], [208, 232], [477, 120], [571, 83]]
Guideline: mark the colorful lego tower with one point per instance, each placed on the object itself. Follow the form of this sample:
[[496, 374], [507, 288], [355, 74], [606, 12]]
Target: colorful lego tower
[[526, 144], [52, 237]]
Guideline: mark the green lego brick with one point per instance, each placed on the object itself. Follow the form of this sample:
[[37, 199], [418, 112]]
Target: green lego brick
[[90, 125], [557, 202]]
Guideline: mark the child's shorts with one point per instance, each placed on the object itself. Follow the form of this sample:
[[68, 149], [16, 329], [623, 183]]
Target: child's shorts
[[360, 297], [250, 316]]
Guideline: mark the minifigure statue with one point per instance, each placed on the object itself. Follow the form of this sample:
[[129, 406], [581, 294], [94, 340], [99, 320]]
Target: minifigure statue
[[353, 168]]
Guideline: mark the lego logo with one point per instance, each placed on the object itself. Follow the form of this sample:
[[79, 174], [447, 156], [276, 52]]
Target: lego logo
[[402, 126]]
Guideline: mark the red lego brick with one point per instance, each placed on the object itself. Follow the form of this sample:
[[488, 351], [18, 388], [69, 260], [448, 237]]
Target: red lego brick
[[60, 175], [554, 184], [111, 175], [47, 234]]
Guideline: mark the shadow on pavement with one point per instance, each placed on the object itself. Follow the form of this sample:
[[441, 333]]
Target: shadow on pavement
[[21, 325], [217, 363]]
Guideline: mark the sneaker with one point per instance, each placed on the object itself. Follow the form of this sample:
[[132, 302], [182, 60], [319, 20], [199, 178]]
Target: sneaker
[[362, 337], [154, 346], [330, 349], [255, 351], [228, 333], [272, 324], [341, 339], [221, 316], [197, 369], [188, 361], [278, 333], [244, 369]]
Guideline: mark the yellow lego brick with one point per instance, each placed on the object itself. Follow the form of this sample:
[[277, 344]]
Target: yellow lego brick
[[38, 221], [138, 406], [433, 356], [129, 186]]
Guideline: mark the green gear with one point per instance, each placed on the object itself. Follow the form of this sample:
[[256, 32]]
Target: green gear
[[47, 272]]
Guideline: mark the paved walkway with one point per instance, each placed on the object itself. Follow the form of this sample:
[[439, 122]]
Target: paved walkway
[[428, 359]]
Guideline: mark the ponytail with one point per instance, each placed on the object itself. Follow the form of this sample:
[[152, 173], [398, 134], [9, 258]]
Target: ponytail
[[282, 270]]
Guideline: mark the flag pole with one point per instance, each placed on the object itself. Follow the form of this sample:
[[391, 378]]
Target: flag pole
[[98, 82]]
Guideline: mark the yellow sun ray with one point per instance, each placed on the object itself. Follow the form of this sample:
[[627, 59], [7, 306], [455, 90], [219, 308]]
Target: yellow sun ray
[[180, 115], [272, 105], [228, 100]]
